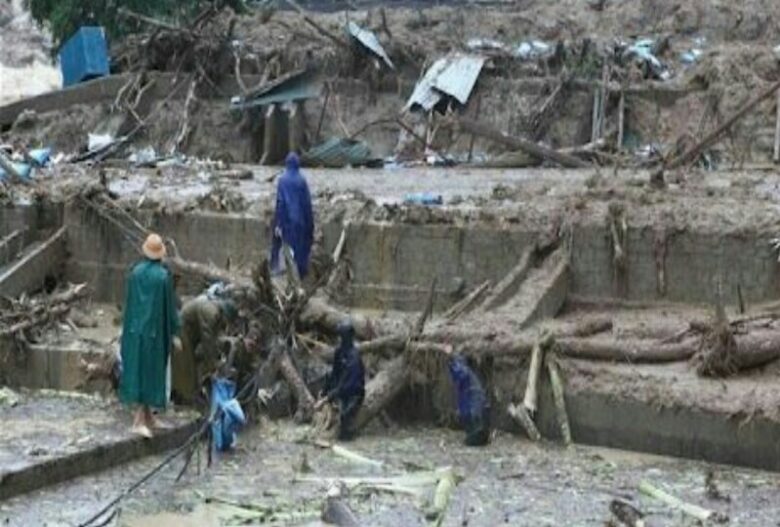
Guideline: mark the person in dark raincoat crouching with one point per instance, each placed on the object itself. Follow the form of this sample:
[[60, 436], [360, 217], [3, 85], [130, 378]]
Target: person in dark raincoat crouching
[[473, 404], [346, 381]]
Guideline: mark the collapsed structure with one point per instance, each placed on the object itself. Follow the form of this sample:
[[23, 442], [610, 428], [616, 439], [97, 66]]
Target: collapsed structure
[[598, 301]]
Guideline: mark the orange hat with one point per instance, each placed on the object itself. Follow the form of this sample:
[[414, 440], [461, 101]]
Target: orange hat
[[153, 247]]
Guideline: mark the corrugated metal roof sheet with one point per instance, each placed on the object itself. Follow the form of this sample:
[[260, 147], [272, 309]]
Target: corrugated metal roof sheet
[[337, 152], [295, 86], [424, 95], [454, 75], [369, 40]]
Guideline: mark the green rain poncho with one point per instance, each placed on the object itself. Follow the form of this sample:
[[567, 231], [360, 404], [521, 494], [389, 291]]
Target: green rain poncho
[[150, 323]]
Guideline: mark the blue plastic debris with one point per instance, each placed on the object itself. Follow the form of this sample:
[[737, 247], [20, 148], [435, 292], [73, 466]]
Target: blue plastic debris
[[84, 56], [229, 415], [41, 156], [423, 198], [23, 169], [691, 56], [642, 52]]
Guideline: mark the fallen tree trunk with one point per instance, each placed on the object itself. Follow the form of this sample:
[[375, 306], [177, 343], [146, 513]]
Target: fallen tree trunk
[[326, 317], [509, 284], [712, 137], [208, 272], [303, 396], [382, 389], [517, 143], [756, 349], [466, 304], [626, 350]]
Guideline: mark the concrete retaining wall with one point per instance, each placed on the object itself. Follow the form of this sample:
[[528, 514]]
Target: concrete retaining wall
[[393, 264]]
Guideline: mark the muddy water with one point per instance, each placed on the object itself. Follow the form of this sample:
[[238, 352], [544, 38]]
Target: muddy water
[[510, 482]]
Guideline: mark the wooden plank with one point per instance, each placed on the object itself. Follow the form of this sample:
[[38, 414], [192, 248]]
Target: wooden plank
[[621, 120], [776, 157], [11, 245], [30, 271]]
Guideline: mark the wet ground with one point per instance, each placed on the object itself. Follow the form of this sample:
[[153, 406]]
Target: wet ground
[[43, 430], [510, 482]]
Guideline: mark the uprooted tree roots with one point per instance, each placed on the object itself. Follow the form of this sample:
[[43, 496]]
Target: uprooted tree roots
[[717, 353]]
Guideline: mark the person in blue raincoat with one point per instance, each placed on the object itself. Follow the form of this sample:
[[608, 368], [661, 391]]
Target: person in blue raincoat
[[293, 220], [346, 381], [473, 404]]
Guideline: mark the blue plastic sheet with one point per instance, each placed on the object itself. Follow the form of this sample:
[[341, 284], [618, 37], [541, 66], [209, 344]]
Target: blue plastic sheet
[[229, 415]]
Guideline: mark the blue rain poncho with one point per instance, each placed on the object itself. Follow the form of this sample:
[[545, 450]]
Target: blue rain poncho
[[472, 400], [293, 217], [229, 415]]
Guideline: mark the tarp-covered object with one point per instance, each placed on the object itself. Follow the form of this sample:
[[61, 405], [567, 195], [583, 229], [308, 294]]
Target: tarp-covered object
[[84, 56], [150, 323], [227, 414]]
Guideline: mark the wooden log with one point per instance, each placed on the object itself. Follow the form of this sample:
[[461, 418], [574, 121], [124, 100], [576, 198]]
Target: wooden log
[[756, 349], [208, 272], [621, 121], [382, 389], [626, 350], [519, 413], [711, 138], [303, 396], [465, 305], [313, 23], [594, 119], [516, 143], [322, 315], [531, 394], [591, 326], [604, 99], [776, 156], [558, 396], [149, 20], [510, 283]]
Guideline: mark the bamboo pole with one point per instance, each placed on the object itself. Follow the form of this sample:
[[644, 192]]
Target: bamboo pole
[[690, 509], [558, 396]]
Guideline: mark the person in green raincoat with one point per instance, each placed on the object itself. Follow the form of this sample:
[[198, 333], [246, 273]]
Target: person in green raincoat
[[150, 323]]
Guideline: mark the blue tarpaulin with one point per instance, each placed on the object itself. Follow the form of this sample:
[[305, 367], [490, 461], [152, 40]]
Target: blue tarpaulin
[[84, 56], [229, 415]]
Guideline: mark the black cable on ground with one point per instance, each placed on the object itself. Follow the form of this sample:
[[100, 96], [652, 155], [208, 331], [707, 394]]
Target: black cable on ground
[[191, 442]]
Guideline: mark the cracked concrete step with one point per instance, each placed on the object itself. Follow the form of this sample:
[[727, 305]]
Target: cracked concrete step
[[542, 294]]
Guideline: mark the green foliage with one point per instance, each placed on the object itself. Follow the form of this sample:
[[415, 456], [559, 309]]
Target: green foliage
[[64, 17]]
